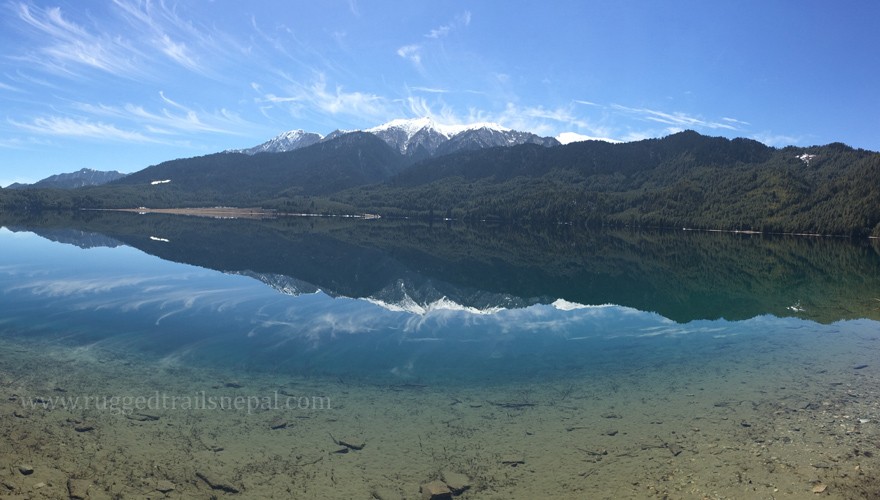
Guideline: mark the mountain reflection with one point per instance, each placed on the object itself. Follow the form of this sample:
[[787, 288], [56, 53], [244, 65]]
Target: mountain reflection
[[405, 265]]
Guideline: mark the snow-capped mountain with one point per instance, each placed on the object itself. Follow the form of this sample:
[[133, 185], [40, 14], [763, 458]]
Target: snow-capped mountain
[[417, 138], [424, 137], [409, 136], [414, 295], [288, 141]]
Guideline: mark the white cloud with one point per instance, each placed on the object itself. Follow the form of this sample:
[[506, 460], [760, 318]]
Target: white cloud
[[439, 32], [777, 140], [336, 100], [412, 53]]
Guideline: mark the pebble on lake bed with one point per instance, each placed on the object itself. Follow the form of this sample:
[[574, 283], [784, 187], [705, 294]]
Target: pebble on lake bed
[[457, 482], [78, 489]]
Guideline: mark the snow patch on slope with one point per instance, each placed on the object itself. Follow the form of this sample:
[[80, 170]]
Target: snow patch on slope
[[569, 137]]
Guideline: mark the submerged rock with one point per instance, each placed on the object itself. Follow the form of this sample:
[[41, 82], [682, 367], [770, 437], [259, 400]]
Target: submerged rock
[[277, 423], [435, 490], [457, 482], [352, 443], [26, 470], [513, 460], [78, 489], [165, 486], [81, 426], [142, 417]]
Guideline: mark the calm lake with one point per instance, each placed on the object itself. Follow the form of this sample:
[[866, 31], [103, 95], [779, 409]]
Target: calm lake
[[154, 356]]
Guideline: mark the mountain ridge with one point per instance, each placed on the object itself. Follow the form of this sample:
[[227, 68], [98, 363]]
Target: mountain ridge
[[71, 180]]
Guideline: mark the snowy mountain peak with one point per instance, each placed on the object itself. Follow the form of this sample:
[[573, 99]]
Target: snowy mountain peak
[[424, 136], [414, 137], [293, 134], [412, 126], [286, 141]]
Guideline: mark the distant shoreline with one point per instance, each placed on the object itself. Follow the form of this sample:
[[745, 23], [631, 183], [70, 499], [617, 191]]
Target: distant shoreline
[[226, 212], [263, 213], [215, 212]]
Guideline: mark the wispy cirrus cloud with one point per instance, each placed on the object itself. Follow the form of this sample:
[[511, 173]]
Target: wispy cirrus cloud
[[175, 117], [84, 286], [133, 123], [162, 28], [319, 96], [430, 90], [548, 120], [462, 20], [178, 52], [132, 42], [22, 143], [64, 47], [734, 121], [674, 119], [9, 88], [413, 52], [80, 127]]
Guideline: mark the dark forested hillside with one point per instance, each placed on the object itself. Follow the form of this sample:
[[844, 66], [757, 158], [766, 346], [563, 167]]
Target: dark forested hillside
[[351, 160], [683, 180]]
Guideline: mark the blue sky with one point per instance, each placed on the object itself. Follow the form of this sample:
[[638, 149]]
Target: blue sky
[[123, 84]]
